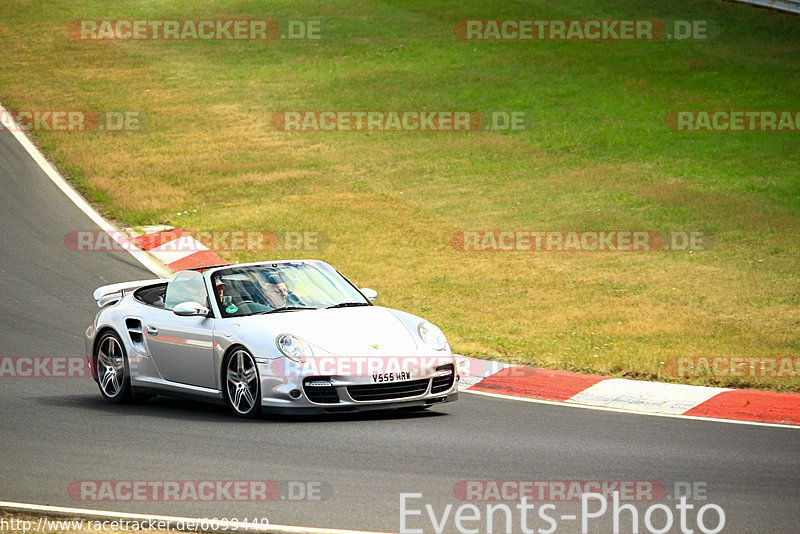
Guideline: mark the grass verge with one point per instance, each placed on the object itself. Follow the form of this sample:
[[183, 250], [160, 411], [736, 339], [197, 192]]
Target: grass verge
[[598, 157]]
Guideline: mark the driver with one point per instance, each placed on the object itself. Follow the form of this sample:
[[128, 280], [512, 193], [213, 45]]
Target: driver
[[225, 300]]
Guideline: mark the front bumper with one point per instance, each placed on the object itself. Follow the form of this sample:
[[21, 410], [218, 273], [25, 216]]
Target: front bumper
[[356, 408], [328, 394]]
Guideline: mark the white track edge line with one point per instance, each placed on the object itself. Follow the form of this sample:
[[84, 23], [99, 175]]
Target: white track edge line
[[629, 411], [77, 199], [255, 527]]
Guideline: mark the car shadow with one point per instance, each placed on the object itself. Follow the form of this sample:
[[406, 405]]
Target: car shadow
[[372, 415], [164, 407], [191, 410]]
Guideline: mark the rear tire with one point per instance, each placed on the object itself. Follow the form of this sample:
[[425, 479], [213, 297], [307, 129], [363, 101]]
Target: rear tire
[[111, 369]]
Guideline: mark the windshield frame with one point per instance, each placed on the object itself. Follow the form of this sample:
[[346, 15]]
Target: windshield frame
[[257, 275]]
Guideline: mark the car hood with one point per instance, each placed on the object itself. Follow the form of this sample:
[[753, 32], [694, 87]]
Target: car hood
[[362, 331]]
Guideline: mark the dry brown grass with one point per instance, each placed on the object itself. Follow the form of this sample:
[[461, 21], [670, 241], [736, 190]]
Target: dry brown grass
[[390, 202]]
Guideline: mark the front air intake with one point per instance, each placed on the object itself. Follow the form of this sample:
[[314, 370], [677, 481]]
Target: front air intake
[[446, 375], [392, 390], [320, 391]]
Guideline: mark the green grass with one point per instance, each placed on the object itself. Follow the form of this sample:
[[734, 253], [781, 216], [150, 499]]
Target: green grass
[[599, 157]]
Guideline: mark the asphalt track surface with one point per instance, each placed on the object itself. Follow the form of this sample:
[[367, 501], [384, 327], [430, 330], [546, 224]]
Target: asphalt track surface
[[54, 431]]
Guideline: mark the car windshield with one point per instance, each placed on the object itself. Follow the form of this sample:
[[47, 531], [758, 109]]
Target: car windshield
[[279, 287]]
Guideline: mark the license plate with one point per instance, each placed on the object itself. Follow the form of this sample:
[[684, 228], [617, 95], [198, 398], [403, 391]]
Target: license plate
[[391, 377]]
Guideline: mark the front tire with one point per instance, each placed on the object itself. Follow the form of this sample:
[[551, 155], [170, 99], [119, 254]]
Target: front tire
[[241, 384], [111, 368]]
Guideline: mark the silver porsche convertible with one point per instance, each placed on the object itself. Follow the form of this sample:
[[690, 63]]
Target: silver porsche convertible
[[286, 337]]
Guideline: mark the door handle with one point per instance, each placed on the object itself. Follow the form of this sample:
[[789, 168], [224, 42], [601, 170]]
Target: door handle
[[152, 330]]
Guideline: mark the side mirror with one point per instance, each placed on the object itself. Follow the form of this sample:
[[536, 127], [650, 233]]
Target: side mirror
[[371, 294], [191, 309]]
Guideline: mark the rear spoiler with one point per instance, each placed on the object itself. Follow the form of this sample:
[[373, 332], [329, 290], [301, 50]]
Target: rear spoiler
[[113, 293]]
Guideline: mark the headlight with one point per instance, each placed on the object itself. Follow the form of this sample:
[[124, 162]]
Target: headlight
[[293, 347], [432, 336]]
